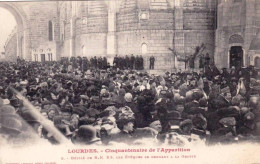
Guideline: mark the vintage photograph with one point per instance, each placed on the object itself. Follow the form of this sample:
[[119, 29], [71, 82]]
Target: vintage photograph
[[176, 75]]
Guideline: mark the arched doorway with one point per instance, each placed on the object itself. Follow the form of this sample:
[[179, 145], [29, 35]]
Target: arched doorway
[[22, 30], [144, 48], [236, 56], [257, 62]]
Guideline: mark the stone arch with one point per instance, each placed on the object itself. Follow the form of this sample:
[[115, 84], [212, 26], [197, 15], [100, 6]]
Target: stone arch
[[257, 61], [144, 48], [49, 54], [22, 28], [236, 38]]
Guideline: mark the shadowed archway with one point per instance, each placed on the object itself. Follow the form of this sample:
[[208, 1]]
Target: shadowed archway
[[22, 28]]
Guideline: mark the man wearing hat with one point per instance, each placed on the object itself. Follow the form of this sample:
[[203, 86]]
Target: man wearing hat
[[248, 127], [11, 126], [108, 130], [199, 123], [186, 127], [227, 132], [86, 135], [126, 125]]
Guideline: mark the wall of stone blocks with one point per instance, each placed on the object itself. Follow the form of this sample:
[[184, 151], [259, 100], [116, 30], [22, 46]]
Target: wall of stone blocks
[[193, 38], [39, 14], [97, 24], [95, 44], [235, 18], [89, 29], [198, 19], [221, 59], [65, 48], [223, 45], [157, 20], [158, 42], [231, 14], [162, 20], [195, 23], [127, 21], [11, 49], [78, 46], [97, 8]]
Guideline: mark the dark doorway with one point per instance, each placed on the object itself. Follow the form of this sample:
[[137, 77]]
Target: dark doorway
[[50, 56], [236, 56], [35, 57], [43, 58], [257, 62]]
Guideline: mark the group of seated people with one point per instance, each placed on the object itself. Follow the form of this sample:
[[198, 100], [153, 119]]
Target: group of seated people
[[110, 106]]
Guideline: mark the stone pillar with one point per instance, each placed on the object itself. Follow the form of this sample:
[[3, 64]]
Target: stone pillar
[[111, 34], [26, 54], [250, 28], [72, 36], [179, 33], [17, 44]]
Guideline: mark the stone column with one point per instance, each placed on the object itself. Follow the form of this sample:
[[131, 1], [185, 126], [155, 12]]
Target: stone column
[[26, 54], [179, 33], [20, 39], [72, 36], [111, 34], [17, 44], [250, 28]]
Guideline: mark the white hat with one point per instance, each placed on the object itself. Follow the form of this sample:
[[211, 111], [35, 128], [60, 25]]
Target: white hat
[[6, 102]]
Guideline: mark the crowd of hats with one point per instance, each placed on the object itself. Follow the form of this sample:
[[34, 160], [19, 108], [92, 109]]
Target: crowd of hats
[[92, 105]]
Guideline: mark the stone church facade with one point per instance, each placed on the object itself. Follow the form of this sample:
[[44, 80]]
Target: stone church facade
[[238, 32], [169, 30]]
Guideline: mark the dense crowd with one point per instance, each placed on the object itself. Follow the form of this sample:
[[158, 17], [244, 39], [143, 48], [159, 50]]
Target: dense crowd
[[97, 104]]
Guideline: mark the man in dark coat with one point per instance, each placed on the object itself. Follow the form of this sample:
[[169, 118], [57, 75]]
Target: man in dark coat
[[132, 61], [141, 63], [137, 63], [104, 65], [127, 62], [85, 64], [95, 62], [152, 60], [99, 63]]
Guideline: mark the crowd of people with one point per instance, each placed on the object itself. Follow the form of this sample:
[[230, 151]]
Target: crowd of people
[[99, 105]]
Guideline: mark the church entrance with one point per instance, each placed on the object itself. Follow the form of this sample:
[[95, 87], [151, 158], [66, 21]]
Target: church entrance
[[257, 62], [236, 56], [43, 58]]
